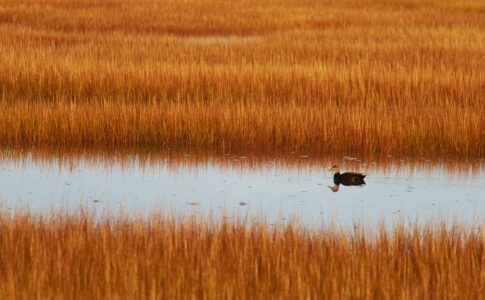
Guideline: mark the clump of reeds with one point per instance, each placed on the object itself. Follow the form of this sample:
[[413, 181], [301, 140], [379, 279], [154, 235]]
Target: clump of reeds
[[372, 76], [264, 128], [80, 255]]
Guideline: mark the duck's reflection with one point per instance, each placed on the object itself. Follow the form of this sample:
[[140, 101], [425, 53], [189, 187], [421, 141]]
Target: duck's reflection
[[347, 179]]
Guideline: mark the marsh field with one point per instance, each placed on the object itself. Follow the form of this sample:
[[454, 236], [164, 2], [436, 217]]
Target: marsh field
[[179, 149]]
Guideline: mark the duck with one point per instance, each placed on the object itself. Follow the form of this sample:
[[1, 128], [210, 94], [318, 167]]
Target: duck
[[349, 178]]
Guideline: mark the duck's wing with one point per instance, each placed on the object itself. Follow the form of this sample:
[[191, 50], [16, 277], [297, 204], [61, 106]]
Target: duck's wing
[[352, 175], [352, 178]]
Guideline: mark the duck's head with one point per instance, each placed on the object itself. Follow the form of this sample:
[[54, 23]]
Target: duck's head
[[334, 188], [334, 169]]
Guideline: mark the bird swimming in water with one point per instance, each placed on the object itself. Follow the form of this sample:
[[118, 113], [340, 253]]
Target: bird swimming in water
[[348, 178]]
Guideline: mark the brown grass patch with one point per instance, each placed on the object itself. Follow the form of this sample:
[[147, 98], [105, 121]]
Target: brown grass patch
[[247, 128], [62, 255], [327, 76]]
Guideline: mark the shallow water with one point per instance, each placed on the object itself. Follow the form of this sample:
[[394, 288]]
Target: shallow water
[[277, 188]]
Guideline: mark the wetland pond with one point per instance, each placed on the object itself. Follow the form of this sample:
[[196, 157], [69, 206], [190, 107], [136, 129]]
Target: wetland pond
[[395, 189]]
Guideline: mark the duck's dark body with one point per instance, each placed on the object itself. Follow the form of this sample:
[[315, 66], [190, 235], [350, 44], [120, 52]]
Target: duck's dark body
[[349, 178]]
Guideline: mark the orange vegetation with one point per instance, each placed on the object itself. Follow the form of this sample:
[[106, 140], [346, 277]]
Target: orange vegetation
[[62, 255], [314, 129], [384, 76]]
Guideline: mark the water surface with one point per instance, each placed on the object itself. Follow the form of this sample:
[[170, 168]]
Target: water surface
[[276, 187]]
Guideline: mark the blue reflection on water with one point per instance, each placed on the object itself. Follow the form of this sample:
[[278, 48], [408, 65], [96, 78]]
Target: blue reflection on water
[[270, 190]]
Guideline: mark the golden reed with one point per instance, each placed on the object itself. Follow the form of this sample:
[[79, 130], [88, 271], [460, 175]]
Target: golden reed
[[83, 255], [383, 77]]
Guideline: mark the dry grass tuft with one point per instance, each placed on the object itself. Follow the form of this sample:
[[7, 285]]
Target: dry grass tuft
[[77, 255], [247, 128], [324, 76]]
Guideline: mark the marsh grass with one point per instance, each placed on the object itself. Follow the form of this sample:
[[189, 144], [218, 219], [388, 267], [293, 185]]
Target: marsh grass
[[401, 77], [315, 129], [84, 255]]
